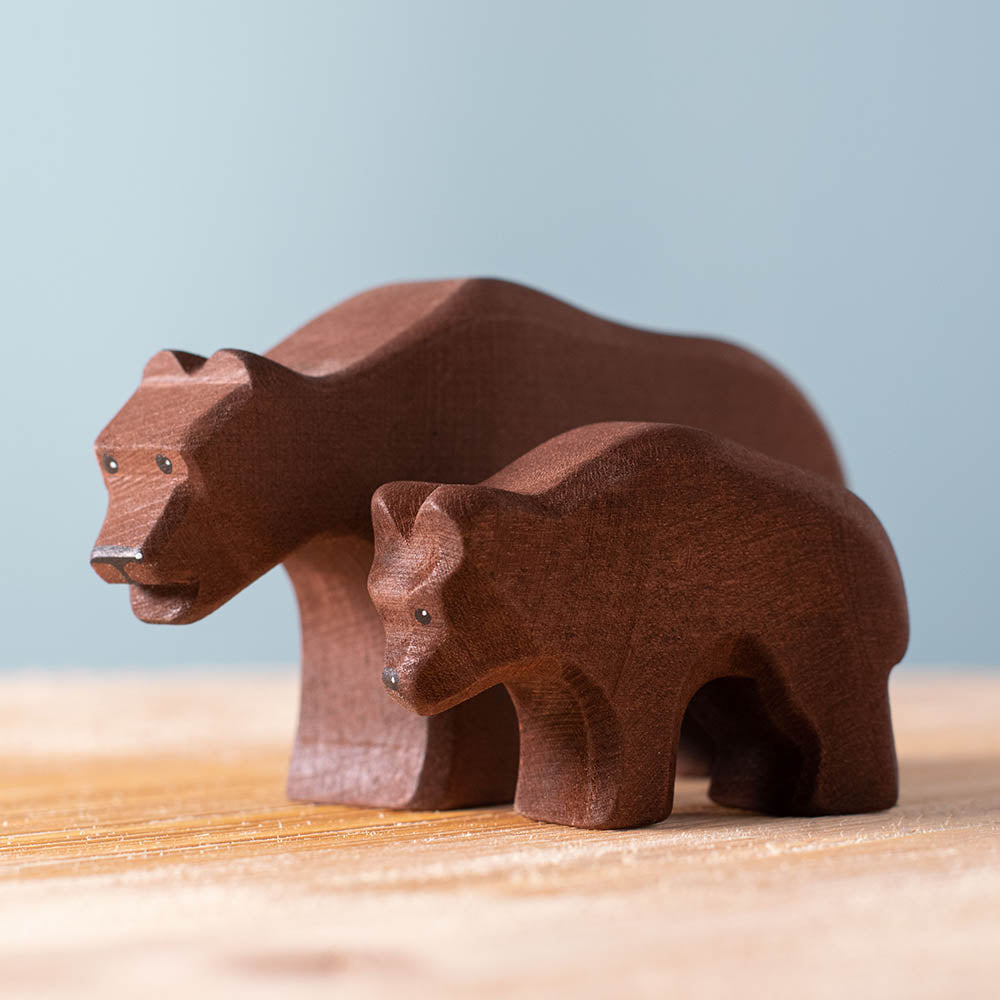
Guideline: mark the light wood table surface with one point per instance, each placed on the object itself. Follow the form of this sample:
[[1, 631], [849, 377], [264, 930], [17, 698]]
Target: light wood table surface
[[147, 850]]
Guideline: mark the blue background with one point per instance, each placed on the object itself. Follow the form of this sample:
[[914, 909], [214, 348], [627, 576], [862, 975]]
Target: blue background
[[815, 180]]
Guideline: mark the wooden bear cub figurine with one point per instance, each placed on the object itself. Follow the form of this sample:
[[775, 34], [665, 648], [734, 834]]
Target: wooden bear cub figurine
[[622, 572]]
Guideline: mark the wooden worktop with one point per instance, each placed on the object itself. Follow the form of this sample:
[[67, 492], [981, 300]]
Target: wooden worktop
[[147, 849]]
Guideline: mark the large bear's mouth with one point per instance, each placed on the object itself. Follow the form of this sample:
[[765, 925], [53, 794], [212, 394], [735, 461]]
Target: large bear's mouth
[[164, 603]]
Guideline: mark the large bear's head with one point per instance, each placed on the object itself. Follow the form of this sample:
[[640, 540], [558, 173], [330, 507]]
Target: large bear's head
[[199, 476], [455, 579]]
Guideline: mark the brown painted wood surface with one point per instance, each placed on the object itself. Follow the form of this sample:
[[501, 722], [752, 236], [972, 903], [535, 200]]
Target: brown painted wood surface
[[147, 849], [218, 469], [622, 574]]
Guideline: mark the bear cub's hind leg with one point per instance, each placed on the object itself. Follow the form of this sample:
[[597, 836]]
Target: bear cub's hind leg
[[856, 769], [836, 757], [756, 765]]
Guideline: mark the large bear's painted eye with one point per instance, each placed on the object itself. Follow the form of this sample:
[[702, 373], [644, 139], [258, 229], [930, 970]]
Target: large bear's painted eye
[[166, 466], [423, 616], [110, 463]]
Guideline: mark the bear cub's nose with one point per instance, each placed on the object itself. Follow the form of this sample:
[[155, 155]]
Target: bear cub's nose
[[390, 678]]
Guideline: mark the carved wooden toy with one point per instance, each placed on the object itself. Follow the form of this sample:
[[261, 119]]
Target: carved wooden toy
[[621, 572], [219, 469]]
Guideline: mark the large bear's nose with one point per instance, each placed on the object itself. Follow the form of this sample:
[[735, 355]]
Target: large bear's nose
[[111, 562]]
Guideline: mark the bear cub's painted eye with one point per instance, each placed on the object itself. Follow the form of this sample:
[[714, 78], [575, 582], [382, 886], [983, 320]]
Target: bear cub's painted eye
[[110, 463], [423, 616], [166, 466]]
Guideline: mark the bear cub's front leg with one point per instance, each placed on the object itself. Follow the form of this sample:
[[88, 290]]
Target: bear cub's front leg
[[586, 761]]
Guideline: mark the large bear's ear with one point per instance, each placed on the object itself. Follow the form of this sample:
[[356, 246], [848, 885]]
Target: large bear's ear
[[240, 367], [172, 364], [395, 506]]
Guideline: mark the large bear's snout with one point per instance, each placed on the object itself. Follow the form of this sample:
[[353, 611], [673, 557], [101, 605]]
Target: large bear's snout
[[113, 562], [135, 543]]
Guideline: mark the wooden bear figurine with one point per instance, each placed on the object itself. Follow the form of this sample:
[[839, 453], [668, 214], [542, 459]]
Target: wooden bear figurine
[[621, 572], [219, 469]]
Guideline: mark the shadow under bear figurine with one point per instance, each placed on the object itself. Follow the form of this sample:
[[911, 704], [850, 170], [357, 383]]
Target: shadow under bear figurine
[[620, 573]]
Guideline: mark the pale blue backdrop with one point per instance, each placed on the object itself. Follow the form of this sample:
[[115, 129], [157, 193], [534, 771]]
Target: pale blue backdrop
[[817, 180]]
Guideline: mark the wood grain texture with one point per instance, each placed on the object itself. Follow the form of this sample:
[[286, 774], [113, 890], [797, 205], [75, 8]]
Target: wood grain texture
[[623, 574], [147, 848], [218, 469]]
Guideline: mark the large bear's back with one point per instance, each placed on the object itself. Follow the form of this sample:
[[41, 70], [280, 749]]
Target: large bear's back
[[391, 316], [361, 325], [498, 367]]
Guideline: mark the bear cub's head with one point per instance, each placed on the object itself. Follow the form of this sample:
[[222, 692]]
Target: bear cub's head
[[454, 587]]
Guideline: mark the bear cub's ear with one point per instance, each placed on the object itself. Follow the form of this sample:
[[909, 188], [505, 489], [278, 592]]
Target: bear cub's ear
[[467, 504], [395, 507]]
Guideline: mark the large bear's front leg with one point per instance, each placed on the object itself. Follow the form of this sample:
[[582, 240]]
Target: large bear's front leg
[[354, 744]]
